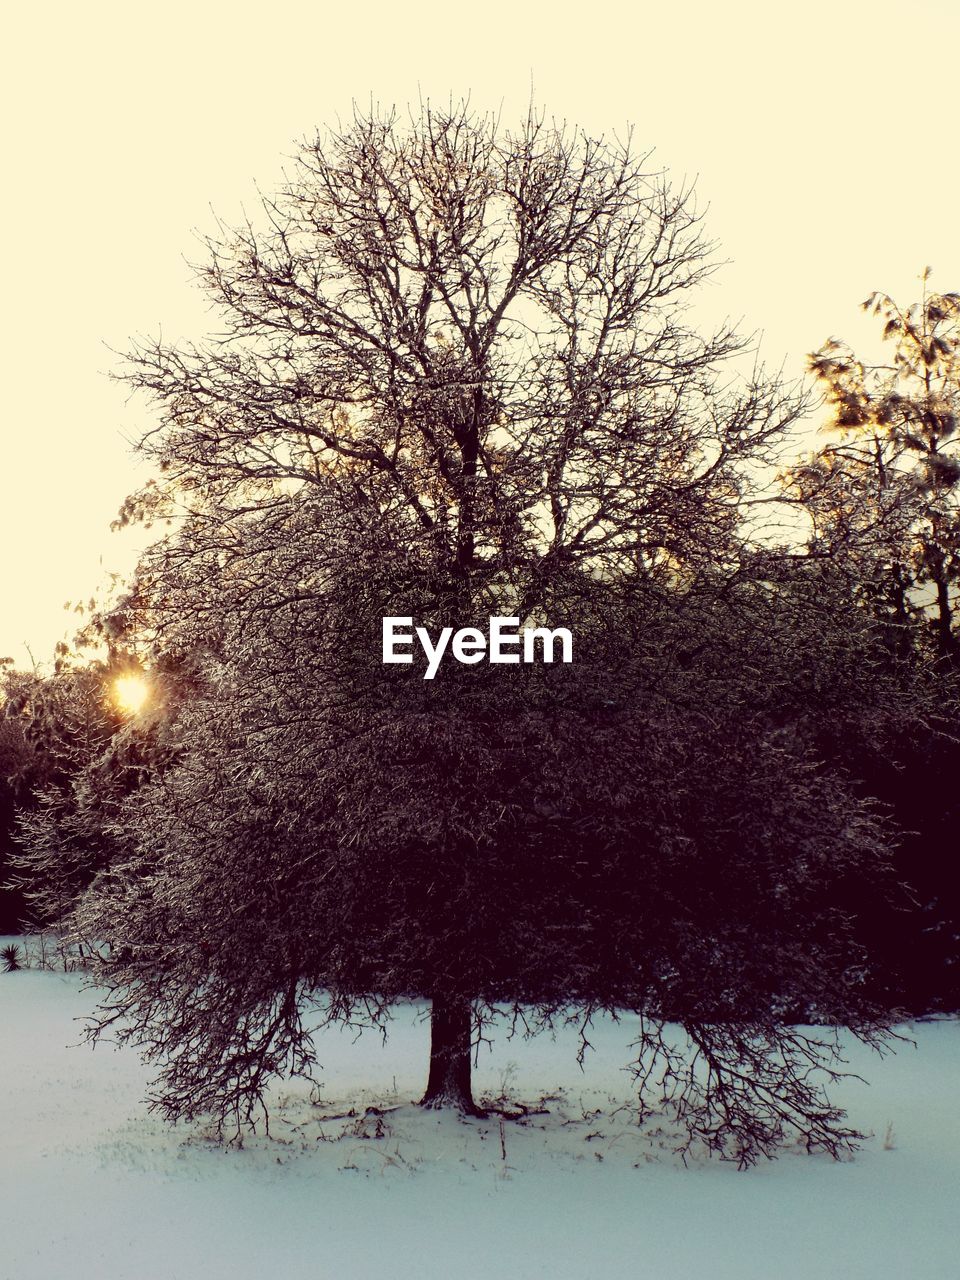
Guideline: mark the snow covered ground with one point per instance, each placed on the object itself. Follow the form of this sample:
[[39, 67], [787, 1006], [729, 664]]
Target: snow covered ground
[[91, 1185]]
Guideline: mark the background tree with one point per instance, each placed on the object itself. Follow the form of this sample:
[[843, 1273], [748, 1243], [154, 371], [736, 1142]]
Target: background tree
[[16, 758], [883, 500], [64, 721], [454, 379], [890, 481], [78, 750]]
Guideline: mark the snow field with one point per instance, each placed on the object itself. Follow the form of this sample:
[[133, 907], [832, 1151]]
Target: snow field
[[356, 1182]]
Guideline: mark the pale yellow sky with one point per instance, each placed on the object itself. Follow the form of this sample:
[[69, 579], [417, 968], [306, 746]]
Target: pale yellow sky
[[822, 137]]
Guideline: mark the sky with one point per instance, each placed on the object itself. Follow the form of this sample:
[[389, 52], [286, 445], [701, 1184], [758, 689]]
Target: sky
[[821, 138]]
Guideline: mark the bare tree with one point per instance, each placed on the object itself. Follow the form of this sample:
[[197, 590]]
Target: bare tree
[[478, 337], [453, 379]]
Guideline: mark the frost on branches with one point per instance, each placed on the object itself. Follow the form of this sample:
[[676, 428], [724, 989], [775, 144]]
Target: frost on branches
[[454, 381]]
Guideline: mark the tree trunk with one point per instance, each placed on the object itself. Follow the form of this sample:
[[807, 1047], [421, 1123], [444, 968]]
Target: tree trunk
[[448, 1084], [901, 630], [944, 614]]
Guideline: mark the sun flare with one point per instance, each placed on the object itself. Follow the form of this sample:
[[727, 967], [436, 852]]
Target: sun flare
[[131, 693]]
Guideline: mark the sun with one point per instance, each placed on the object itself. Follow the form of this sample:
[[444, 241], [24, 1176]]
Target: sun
[[131, 692]]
